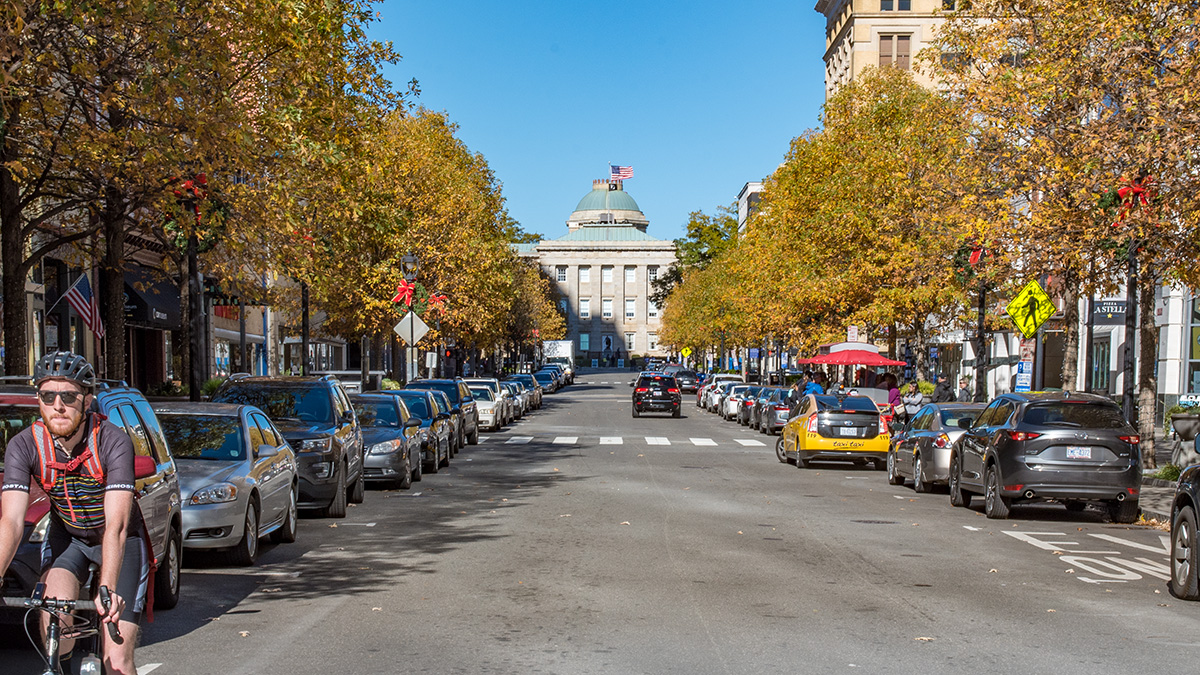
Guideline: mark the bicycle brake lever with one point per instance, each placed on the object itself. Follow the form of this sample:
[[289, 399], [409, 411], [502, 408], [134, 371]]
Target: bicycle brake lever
[[106, 601]]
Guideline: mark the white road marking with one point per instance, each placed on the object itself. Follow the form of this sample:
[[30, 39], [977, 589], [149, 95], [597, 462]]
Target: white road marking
[[703, 441], [148, 668], [565, 440], [1165, 550], [611, 440], [518, 440], [414, 494], [657, 440], [749, 442], [241, 572], [968, 527], [359, 524], [902, 497]]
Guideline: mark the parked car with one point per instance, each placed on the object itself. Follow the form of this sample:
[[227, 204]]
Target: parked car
[[831, 427], [459, 394], [720, 390], [455, 421], [535, 389], [774, 413], [520, 401], [758, 407], [504, 397], [546, 381], [435, 447], [392, 436], [237, 476], [316, 418], [485, 399], [157, 485], [559, 372], [921, 449], [1030, 447], [1185, 582], [656, 393]]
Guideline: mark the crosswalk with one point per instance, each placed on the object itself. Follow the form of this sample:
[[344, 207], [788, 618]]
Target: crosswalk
[[620, 440]]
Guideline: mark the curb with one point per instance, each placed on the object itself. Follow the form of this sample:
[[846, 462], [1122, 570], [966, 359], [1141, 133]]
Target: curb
[[1148, 514]]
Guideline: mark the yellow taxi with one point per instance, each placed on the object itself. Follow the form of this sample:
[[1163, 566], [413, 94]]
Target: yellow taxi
[[848, 428]]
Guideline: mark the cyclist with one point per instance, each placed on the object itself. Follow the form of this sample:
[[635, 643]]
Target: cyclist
[[85, 465]]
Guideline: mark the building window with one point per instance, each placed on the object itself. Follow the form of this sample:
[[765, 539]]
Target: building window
[[652, 273], [606, 274], [631, 275], [895, 50], [585, 274], [561, 272], [889, 5], [585, 308], [653, 337], [606, 308], [651, 310], [629, 341], [630, 308], [585, 342], [562, 305], [1101, 358]]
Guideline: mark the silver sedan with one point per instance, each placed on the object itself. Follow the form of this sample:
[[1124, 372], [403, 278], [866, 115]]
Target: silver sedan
[[921, 450]]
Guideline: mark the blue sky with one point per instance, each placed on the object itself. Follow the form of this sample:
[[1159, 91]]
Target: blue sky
[[698, 96]]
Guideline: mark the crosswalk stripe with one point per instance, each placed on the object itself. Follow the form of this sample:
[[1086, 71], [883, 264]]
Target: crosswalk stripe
[[657, 440], [703, 441], [749, 441], [518, 440], [611, 440], [565, 440]]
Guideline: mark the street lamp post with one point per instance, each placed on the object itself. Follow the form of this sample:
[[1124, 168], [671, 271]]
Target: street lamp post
[[411, 266]]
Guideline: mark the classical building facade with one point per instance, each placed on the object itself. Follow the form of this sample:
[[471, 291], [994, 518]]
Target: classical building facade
[[861, 33], [604, 267]]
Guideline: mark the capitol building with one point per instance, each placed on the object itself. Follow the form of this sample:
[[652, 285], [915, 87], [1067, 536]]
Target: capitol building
[[603, 267]]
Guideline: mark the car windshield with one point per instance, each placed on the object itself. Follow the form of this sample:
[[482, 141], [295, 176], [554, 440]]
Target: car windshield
[[14, 418], [216, 437], [657, 380], [951, 416], [442, 403], [543, 377], [525, 379], [450, 389], [418, 405], [377, 413], [482, 394], [304, 404], [686, 373], [848, 404], [1074, 414]]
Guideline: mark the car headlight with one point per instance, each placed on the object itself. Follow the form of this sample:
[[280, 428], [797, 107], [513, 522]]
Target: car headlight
[[215, 494], [315, 445], [388, 448], [38, 535]]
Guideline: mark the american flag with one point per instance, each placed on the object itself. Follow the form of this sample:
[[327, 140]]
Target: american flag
[[81, 299], [621, 172]]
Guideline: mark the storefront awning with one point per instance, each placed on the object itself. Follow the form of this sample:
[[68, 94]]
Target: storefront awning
[[151, 299]]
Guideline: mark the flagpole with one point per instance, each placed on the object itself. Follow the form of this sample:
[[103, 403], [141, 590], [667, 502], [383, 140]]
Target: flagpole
[[63, 295]]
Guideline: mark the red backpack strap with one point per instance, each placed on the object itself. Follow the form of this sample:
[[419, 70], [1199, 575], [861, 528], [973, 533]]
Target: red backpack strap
[[46, 458], [93, 449]]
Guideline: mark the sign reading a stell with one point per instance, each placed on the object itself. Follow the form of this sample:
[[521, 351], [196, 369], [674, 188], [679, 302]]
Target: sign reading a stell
[[1030, 309]]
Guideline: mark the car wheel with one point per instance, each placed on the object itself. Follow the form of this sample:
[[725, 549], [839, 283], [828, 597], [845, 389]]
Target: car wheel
[[358, 491], [416, 467], [432, 467], [246, 551], [337, 506], [635, 412], [473, 439], [780, 454], [676, 414], [166, 580], [405, 482], [446, 456], [1184, 581], [286, 533], [919, 482], [1125, 512], [995, 505], [958, 496], [894, 478]]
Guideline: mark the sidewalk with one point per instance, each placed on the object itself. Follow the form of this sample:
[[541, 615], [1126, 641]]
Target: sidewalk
[[1157, 494]]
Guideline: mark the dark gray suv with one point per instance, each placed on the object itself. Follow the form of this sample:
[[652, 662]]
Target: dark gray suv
[[1071, 448], [314, 414]]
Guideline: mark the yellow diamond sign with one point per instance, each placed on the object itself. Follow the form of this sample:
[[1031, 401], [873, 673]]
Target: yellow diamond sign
[[686, 352], [1030, 309]]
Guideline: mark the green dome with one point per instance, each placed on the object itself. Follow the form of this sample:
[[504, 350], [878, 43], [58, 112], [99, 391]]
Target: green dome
[[618, 200]]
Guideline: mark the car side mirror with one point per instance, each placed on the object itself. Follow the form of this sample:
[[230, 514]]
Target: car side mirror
[[412, 422], [964, 423], [348, 416], [265, 450], [456, 411], [144, 466], [467, 399], [631, 384], [443, 416]]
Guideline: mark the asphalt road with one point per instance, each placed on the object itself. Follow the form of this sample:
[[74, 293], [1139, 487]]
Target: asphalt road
[[584, 541]]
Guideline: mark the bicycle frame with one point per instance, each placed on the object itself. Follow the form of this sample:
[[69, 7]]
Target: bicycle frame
[[87, 630]]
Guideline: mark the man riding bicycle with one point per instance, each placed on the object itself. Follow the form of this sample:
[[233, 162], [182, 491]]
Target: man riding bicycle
[[85, 465]]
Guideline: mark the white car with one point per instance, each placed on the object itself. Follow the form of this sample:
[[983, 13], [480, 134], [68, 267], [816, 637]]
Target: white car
[[485, 401], [506, 407], [731, 405]]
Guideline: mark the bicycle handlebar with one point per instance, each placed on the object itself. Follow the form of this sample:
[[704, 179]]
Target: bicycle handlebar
[[106, 600], [37, 601]]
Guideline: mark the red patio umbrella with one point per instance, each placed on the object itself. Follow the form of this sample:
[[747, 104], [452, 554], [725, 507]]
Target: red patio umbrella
[[854, 357]]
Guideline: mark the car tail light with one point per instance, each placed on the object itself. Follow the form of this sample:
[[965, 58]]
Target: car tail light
[[673, 391], [812, 425], [1022, 435], [941, 441], [1132, 440], [883, 427], [782, 408], [1013, 488], [641, 390]]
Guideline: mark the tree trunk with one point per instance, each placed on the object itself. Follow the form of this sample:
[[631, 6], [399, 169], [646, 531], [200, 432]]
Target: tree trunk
[[185, 328], [12, 256], [112, 275], [1070, 366], [920, 349], [1147, 361]]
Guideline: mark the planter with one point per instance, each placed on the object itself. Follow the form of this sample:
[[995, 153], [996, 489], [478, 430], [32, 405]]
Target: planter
[[1187, 425]]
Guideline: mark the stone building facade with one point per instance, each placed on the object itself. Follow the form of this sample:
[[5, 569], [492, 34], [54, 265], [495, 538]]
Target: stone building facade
[[861, 33], [603, 268]]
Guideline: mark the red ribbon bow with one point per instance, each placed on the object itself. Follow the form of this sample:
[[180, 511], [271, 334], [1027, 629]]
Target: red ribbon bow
[[1137, 193], [437, 300], [404, 293]]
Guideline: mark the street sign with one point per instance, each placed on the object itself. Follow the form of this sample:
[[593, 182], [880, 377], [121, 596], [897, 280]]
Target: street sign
[[1030, 309], [686, 352], [411, 328]]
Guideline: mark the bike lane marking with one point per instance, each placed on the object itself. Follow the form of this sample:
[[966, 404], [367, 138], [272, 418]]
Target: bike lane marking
[[1102, 567]]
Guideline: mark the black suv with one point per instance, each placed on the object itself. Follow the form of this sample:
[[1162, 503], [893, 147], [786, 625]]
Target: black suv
[[1062, 446], [157, 485], [656, 393], [316, 417], [460, 397]]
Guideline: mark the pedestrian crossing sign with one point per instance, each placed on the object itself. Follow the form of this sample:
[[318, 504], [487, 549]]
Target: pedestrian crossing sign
[[686, 352], [1030, 309]]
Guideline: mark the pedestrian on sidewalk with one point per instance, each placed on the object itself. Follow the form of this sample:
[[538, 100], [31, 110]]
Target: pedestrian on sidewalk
[[964, 395], [942, 393], [913, 400], [889, 383]]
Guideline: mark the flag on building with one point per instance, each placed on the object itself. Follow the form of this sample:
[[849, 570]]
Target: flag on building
[[83, 301], [621, 172]]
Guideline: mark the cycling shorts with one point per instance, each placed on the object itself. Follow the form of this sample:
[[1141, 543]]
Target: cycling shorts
[[62, 551]]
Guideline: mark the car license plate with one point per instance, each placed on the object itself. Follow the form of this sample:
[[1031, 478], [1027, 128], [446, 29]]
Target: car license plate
[[848, 431], [1078, 452]]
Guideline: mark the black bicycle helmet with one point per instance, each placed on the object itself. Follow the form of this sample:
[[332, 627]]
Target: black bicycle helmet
[[64, 366]]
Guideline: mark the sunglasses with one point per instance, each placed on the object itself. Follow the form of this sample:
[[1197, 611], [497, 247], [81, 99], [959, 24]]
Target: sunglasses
[[68, 397]]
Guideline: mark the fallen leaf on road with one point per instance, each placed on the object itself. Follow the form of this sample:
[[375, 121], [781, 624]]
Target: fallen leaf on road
[[641, 455], [1156, 591], [503, 500], [739, 531], [556, 469], [564, 515], [1057, 553], [376, 609], [333, 524], [687, 488], [924, 639], [271, 590], [1163, 604], [1073, 572], [1052, 610], [213, 618], [625, 522], [993, 570], [244, 633]]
